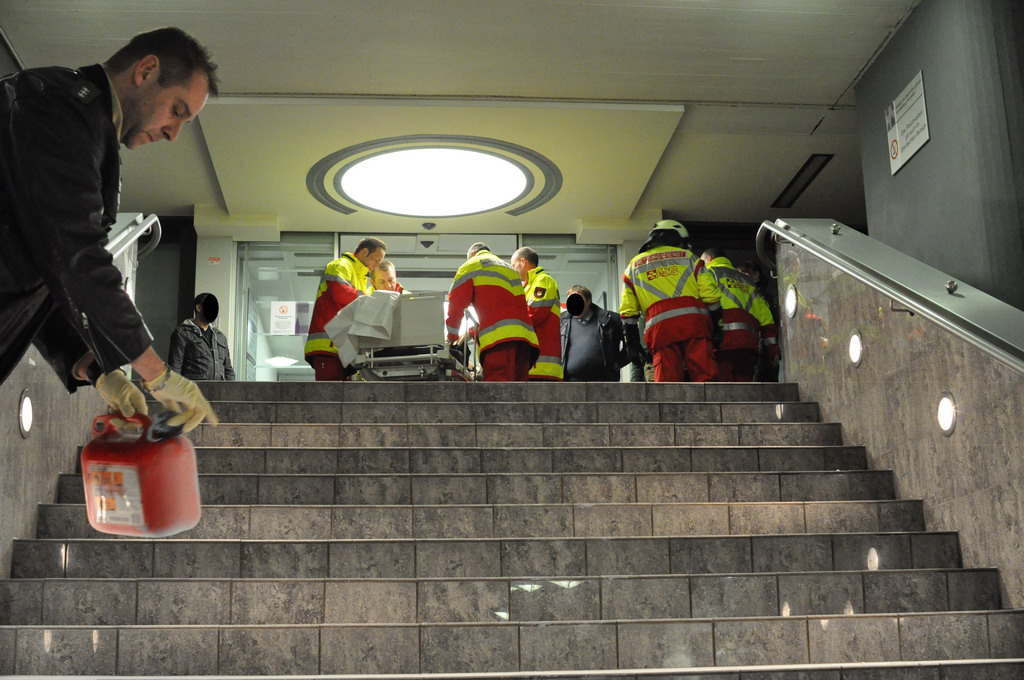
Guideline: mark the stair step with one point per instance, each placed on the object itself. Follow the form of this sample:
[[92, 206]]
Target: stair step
[[517, 521], [542, 459], [517, 488], [89, 602], [374, 435], [514, 412], [512, 647], [453, 558], [531, 392]]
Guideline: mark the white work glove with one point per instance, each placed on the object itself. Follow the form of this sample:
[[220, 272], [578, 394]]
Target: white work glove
[[121, 395], [175, 391]]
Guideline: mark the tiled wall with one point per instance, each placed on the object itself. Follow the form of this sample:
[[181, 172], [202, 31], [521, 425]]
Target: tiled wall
[[30, 466], [972, 481]]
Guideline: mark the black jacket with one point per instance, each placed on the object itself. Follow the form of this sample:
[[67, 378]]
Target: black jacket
[[59, 193], [195, 358], [613, 346]]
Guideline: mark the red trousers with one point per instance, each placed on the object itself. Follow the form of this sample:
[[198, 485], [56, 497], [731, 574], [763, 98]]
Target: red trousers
[[736, 365], [328, 368], [506, 362], [690, 360]]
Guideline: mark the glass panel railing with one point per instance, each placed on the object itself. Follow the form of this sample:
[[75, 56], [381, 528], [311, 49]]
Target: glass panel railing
[[971, 314]]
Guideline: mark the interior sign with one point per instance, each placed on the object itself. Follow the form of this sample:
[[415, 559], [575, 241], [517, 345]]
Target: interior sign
[[282, 318], [907, 122]]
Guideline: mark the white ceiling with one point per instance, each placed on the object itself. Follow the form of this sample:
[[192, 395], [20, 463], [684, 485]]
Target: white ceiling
[[701, 109]]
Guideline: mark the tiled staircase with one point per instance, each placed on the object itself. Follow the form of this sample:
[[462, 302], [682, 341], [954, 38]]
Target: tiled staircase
[[698, 531]]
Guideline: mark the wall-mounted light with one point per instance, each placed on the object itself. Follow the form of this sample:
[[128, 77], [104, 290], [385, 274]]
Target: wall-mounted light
[[25, 414], [791, 301], [281, 362], [946, 413], [856, 348]]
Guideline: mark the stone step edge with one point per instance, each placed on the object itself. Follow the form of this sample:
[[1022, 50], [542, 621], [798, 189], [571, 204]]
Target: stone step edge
[[429, 475], [436, 506], [699, 672], [497, 579], [587, 447], [475, 540], [807, 618]]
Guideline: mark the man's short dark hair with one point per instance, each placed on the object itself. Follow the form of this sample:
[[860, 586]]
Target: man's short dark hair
[[180, 55], [476, 248], [372, 244], [582, 290]]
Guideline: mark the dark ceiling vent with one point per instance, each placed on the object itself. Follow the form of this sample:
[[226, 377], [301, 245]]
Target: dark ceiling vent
[[802, 179]]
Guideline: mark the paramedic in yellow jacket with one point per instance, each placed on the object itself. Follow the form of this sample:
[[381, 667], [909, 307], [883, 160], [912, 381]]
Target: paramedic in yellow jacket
[[746, 321], [343, 281], [678, 298], [545, 313], [505, 336]]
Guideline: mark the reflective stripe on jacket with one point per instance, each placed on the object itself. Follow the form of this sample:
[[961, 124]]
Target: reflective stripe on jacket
[[343, 281], [745, 314], [494, 290], [545, 314], [674, 292]]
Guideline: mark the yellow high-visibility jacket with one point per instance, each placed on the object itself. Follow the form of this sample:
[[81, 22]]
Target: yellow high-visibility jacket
[[546, 316], [746, 318], [494, 290], [343, 281], [674, 292]]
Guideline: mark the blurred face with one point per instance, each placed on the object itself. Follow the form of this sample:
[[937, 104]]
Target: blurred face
[[384, 279], [153, 112], [370, 260]]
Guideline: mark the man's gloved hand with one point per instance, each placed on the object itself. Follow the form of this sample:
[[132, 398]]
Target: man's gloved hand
[[634, 348], [121, 395], [174, 392]]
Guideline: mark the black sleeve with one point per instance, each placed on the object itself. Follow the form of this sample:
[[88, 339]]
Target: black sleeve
[[176, 352], [54, 158], [61, 347], [229, 372]]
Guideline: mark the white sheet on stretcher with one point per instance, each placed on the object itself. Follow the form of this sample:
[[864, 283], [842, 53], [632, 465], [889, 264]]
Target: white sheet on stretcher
[[368, 316]]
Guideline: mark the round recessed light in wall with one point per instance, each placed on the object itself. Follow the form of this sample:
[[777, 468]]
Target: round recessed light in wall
[[856, 348], [946, 413], [25, 414], [791, 301]]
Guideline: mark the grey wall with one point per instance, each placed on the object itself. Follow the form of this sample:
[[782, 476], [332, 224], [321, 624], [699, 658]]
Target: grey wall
[[958, 204], [972, 482], [30, 466]]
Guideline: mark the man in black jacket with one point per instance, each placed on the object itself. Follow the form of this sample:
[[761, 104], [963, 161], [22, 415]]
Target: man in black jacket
[[198, 350], [592, 340], [59, 190]]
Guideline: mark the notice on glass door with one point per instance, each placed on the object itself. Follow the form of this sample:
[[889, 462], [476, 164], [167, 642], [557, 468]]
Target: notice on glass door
[[282, 318], [907, 122]]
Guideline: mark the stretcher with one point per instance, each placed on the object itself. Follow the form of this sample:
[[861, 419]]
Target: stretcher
[[417, 348]]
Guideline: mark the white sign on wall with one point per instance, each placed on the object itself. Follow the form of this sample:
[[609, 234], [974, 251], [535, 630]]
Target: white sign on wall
[[907, 122], [282, 318]]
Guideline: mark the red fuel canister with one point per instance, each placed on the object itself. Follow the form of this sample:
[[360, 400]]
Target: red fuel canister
[[140, 477]]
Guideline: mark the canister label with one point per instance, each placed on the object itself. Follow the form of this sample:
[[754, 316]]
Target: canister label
[[116, 494]]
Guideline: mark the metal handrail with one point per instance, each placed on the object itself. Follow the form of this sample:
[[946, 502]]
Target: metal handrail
[[972, 315], [124, 233]]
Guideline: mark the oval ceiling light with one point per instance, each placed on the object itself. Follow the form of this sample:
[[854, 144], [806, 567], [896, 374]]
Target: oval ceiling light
[[856, 348], [791, 301], [433, 182], [434, 176]]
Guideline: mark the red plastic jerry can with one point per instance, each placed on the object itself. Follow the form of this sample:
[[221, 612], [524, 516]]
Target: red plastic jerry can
[[140, 477]]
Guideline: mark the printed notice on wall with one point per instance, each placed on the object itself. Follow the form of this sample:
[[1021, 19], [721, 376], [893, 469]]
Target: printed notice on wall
[[282, 318], [907, 122]]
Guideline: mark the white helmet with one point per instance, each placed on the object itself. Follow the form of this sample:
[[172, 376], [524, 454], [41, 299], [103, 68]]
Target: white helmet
[[671, 225]]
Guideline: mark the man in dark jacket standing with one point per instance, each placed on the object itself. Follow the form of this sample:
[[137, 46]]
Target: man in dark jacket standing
[[592, 339], [60, 130], [198, 350]]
